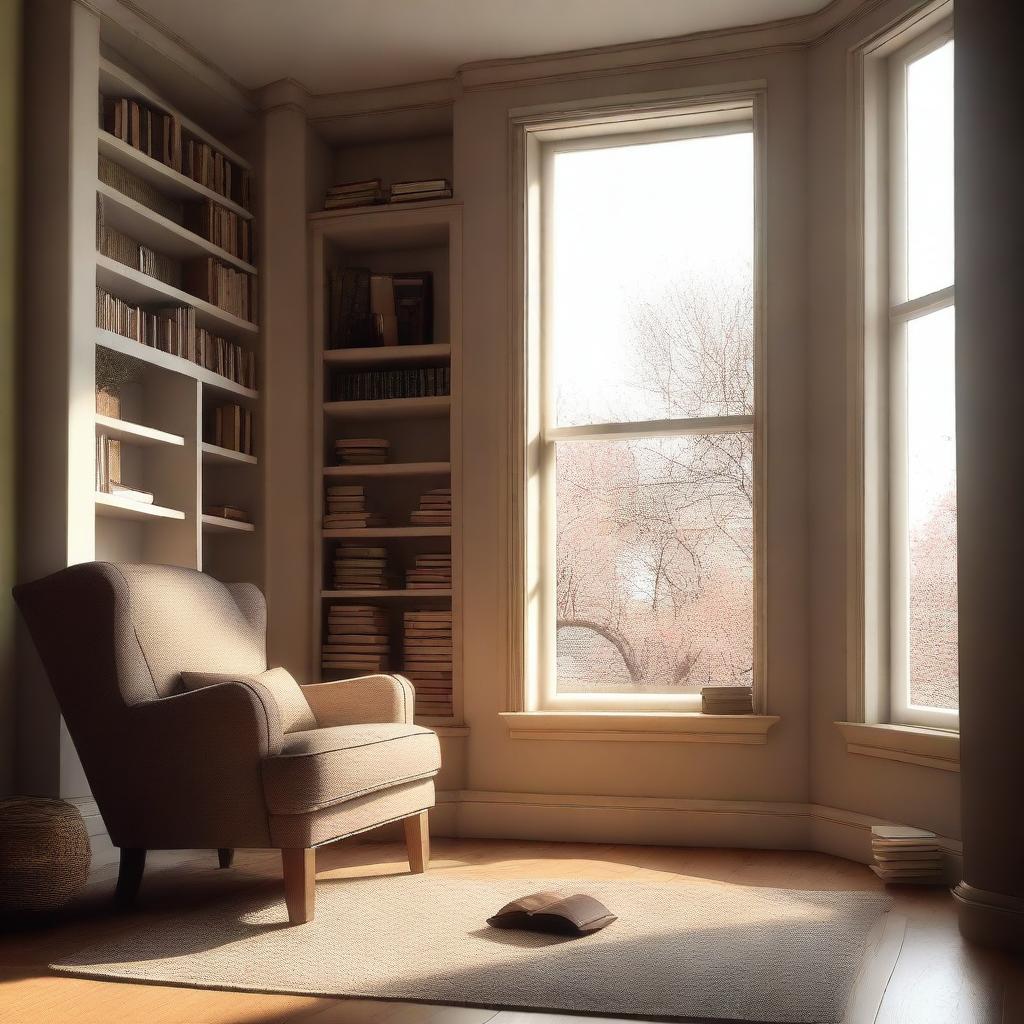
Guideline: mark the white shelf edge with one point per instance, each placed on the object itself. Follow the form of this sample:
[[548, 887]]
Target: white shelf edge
[[386, 354], [386, 408], [122, 508], [207, 313], [386, 469], [163, 177], [162, 227], [218, 524], [335, 595], [139, 90], [175, 364], [383, 210], [389, 531], [214, 453], [135, 433]]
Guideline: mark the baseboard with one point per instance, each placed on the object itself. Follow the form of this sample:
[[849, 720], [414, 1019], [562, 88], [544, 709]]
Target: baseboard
[[990, 918], [102, 849]]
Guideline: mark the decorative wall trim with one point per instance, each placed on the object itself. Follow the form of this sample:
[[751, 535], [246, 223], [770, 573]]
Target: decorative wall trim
[[665, 821], [990, 918], [639, 727], [931, 748]]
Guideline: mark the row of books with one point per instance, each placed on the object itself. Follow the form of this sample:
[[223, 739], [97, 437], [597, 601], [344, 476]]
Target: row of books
[[207, 219], [173, 329], [356, 639], [345, 508], [160, 135], [361, 567], [435, 508], [231, 428], [372, 385], [108, 472], [427, 659], [430, 572], [373, 192], [366, 309], [361, 451], [222, 285]]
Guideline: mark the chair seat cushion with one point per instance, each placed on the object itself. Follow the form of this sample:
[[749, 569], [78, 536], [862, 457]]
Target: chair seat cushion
[[321, 767]]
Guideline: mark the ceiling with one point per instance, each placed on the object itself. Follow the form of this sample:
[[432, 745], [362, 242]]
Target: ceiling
[[341, 45]]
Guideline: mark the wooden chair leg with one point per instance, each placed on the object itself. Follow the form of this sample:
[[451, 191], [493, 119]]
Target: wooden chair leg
[[299, 866], [417, 842], [225, 857], [129, 876]]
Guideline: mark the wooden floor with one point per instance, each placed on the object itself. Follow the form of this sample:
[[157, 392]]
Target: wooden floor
[[938, 978]]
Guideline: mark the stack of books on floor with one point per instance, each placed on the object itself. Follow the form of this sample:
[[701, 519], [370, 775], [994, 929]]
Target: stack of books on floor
[[360, 567], [355, 193], [361, 451], [435, 508], [726, 700], [419, 191], [431, 572], [357, 639], [427, 643], [345, 509], [906, 856]]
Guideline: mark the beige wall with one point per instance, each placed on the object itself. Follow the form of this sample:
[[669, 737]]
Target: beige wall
[[926, 797], [10, 126]]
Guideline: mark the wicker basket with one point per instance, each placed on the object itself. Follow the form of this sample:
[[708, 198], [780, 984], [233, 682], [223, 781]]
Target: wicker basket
[[44, 854]]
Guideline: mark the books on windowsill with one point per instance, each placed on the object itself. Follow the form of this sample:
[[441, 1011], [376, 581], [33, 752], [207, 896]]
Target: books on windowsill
[[726, 700], [906, 856]]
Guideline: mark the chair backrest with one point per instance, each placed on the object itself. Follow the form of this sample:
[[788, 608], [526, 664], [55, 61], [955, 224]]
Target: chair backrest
[[115, 634]]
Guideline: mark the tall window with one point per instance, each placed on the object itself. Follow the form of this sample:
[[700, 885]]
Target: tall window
[[922, 419], [646, 415]]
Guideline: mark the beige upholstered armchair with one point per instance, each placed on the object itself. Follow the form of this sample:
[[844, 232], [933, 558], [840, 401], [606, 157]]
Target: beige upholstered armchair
[[188, 742]]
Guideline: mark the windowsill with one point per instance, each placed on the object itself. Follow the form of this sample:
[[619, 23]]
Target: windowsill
[[639, 726], [932, 748]]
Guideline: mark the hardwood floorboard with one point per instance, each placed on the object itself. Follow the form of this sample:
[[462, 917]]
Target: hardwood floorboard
[[938, 978]]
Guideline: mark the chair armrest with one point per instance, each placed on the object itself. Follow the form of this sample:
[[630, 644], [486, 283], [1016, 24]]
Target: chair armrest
[[377, 698]]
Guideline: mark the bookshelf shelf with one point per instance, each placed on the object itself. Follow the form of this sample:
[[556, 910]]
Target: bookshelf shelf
[[217, 524], [121, 508], [169, 181], [213, 453], [388, 408], [135, 433], [380, 532], [388, 355], [116, 81], [414, 595], [175, 364], [388, 469], [134, 286], [158, 232]]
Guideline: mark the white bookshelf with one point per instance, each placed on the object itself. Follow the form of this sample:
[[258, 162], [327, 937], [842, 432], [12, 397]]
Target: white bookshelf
[[168, 399], [424, 432]]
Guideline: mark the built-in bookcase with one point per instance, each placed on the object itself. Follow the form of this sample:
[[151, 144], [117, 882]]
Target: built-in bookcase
[[424, 433], [168, 402]]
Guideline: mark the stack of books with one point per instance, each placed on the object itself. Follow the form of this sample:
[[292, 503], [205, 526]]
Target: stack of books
[[232, 429], [435, 508], [430, 572], [419, 191], [355, 193], [345, 509], [357, 639], [427, 643], [232, 512], [360, 567], [906, 856], [726, 700], [361, 451]]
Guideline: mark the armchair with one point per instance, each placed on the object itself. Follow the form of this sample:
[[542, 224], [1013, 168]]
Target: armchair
[[250, 759]]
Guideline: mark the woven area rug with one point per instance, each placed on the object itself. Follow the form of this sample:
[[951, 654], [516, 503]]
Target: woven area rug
[[702, 951]]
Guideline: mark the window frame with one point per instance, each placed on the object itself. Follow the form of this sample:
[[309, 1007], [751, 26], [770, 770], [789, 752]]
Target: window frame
[[878, 580], [536, 138], [903, 310]]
